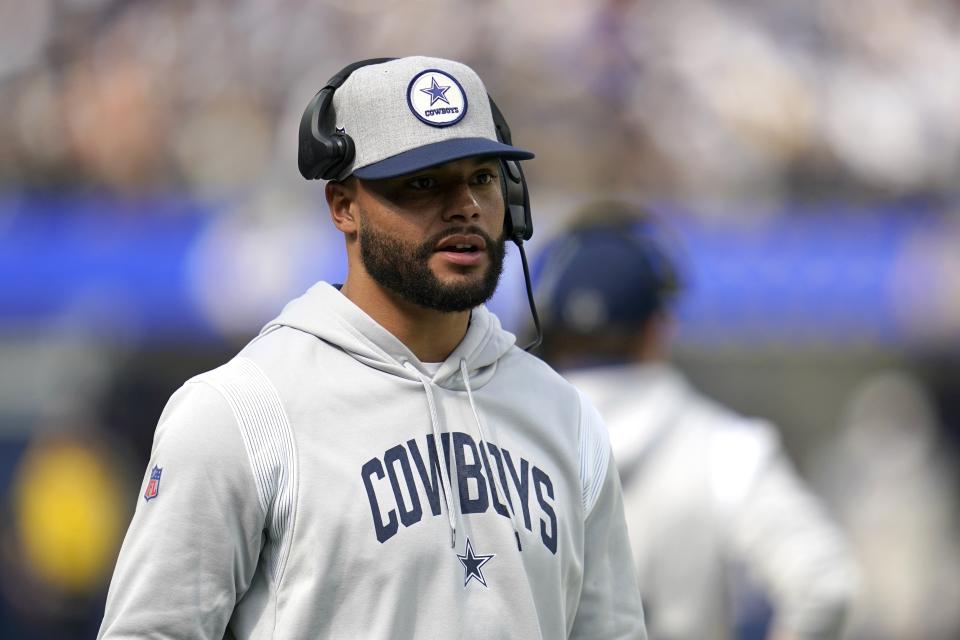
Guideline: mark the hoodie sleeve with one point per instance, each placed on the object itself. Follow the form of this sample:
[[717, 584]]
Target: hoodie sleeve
[[610, 604], [191, 549]]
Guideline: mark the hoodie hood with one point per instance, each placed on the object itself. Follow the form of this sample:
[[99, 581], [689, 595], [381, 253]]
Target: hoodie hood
[[639, 403], [328, 314]]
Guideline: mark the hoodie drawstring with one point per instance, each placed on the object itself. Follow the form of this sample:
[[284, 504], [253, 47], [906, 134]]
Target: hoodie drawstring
[[492, 476], [444, 477]]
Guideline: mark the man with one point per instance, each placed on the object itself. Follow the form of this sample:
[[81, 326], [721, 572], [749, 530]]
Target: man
[[382, 461], [705, 490]]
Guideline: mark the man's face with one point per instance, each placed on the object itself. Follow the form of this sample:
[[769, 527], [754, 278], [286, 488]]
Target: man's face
[[435, 237]]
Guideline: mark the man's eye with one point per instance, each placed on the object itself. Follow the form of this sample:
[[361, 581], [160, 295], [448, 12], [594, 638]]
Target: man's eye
[[421, 184], [486, 177]]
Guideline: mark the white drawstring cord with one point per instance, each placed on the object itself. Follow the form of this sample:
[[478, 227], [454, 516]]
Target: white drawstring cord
[[444, 477], [492, 476]]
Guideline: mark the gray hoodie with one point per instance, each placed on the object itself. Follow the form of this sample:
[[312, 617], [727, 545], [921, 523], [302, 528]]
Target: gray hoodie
[[325, 484]]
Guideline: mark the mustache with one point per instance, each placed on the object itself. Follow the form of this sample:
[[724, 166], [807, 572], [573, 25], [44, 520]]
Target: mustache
[[425, 250]]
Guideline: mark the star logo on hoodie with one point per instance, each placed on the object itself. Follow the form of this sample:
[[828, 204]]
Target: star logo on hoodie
[[471, 565]]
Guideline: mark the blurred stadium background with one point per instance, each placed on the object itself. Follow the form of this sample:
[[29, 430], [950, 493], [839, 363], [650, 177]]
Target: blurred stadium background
[[806, 154]]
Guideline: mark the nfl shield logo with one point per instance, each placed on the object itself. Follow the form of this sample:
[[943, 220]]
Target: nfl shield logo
[[153, 487]]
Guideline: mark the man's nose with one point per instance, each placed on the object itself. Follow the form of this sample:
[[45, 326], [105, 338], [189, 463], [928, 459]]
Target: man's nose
[[462, 204]]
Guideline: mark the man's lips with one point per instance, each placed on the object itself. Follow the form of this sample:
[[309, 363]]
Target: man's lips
[[463, 249], [462, 243]]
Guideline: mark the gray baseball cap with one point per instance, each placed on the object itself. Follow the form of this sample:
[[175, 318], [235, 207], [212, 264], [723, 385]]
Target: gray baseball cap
[[412, 113]]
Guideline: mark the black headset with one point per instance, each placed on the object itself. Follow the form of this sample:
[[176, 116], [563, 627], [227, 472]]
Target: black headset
[[325, 153]]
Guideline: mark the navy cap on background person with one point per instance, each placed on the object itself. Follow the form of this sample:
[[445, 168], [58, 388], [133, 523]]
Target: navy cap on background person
[[603, 279]]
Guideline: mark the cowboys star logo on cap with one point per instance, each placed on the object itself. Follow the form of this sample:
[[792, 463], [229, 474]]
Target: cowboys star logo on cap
[[436, 98]]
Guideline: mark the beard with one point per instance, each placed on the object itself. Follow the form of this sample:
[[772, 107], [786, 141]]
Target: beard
[[403, 268]]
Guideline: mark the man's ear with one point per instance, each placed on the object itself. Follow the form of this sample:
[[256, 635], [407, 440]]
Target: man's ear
[[341, 199]]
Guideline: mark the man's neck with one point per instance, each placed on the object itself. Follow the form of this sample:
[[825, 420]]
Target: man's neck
[[431, 335]]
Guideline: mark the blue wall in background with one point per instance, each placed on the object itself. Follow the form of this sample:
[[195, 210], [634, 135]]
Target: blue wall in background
[[829, 276]]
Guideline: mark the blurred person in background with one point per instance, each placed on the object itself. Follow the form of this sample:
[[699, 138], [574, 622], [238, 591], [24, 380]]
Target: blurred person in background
[[893, 484], [707, 492]]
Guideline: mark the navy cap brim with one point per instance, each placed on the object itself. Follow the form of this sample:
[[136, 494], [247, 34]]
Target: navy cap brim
[[438, 153]]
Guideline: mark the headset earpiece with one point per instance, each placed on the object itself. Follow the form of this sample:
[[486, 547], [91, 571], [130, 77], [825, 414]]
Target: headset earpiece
[[326, 155], [518, 221], [322, 156]]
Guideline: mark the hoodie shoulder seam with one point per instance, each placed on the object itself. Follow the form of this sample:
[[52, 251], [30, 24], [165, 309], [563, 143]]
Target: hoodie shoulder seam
[[594, 453], [268, 438]]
